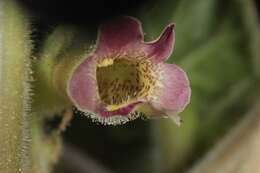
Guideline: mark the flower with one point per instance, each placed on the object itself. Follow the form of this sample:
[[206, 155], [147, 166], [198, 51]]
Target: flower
[[125, 77]]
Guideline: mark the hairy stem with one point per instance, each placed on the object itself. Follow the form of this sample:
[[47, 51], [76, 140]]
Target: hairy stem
[[14, 89]]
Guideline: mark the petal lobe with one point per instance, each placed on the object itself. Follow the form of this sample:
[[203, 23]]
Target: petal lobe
[[160, 49], [118, 35]]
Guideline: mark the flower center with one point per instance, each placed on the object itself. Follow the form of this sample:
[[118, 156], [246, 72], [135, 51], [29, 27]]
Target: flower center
[[121, 81]]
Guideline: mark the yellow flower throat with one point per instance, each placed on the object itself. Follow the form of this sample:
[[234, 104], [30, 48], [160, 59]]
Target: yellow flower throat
[[122, 81]]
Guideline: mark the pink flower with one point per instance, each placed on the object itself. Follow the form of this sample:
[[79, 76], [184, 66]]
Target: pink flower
[[125, 77]]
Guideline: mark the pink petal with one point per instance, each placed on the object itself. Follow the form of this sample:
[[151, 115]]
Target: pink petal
[[82, 88], [122, 111], [175, 92], [150, 111], [160, 49], [119, 35]]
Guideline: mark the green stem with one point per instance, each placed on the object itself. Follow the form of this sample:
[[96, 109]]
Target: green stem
[[60, 52], [46, 148], [44, 67], [14, 89]]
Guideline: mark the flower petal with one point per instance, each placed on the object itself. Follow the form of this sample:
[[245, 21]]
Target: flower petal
[[82, 88], [119, 35], [175, 92], [160, 49], [149, 111], [124, 111]]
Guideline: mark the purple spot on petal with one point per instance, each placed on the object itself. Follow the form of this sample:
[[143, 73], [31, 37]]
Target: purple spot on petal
[[122, 111]]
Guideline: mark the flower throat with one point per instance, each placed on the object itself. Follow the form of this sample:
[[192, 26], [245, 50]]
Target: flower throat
[[121, 81]]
